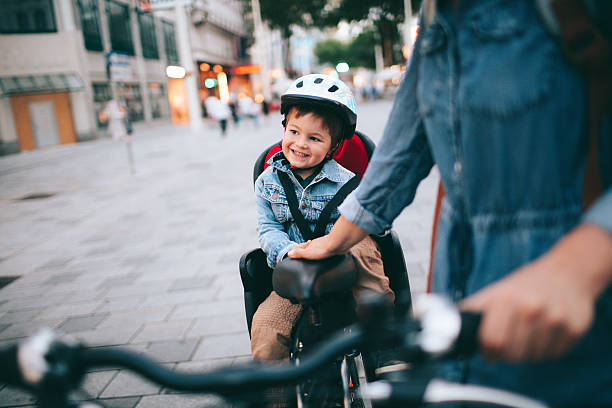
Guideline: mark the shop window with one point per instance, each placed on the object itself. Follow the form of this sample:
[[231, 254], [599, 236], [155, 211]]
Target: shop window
[[88, 9], [158, 100], [133, 101], [148, 38], [119, 27], [21, 17], [170, 42], [101, 94]]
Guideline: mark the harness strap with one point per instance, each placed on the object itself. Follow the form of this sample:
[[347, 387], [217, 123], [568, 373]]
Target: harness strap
[[293, 205], [338, 198], [326, 213], [591, 52]]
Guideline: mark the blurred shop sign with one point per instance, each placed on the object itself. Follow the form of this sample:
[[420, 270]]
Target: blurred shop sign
[[155, 5], [246, 69], [118, 66]]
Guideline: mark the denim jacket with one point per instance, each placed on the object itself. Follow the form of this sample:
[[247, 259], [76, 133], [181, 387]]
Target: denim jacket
[[278, 232], [492, 101]]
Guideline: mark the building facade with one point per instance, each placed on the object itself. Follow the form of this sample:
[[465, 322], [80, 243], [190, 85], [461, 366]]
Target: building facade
[[64, 59]]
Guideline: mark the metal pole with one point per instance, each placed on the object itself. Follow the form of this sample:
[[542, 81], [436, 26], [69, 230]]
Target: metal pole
[[262, 56], [186, 59], [408, 40]]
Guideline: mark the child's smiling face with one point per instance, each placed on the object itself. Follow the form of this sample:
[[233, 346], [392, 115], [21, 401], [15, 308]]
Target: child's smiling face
[[306, 142]]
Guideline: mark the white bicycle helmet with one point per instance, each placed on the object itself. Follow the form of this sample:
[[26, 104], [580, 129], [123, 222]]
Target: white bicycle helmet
[[323, 90]]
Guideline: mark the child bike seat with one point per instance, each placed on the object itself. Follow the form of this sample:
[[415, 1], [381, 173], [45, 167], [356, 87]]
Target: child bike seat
[[303, 281]]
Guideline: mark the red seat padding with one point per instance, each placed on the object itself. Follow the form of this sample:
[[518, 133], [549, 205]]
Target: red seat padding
[[351, 155]]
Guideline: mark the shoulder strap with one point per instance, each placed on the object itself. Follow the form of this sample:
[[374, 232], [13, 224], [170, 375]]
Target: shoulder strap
[[293, 205], [344, 191]]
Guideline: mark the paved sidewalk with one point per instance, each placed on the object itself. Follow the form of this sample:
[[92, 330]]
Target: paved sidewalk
[[149, 261]]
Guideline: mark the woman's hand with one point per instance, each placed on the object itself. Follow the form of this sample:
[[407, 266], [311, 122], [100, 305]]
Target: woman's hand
[[542, 309]]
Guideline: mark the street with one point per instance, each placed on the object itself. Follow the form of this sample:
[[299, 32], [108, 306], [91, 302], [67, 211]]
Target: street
[[149, 261]]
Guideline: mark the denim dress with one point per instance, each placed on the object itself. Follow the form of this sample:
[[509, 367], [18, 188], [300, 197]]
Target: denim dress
[[277, 230], [491, 100]]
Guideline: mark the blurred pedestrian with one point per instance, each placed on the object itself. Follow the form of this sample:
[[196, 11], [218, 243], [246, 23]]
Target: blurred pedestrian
[[218, 111], [249, 108], [119, 126]]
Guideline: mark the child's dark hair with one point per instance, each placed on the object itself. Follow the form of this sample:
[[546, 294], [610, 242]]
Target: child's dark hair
[[330, 119]]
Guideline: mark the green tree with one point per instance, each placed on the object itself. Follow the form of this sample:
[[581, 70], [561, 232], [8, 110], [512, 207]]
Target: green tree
[[357, 53], [385, 15], [331, 51]]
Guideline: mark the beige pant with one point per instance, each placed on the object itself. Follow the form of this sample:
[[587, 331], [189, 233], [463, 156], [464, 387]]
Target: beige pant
[[276, 316]]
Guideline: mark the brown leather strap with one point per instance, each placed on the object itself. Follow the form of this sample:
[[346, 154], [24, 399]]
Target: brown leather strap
[[590, 51], [434, 234]]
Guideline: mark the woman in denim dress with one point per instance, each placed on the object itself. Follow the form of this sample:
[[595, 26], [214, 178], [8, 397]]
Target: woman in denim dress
[[491, 100]]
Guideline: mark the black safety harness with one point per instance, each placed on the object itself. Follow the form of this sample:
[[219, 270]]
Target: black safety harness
[[327, 211]]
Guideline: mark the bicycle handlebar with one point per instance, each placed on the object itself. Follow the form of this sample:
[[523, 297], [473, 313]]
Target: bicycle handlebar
[[50, 368]]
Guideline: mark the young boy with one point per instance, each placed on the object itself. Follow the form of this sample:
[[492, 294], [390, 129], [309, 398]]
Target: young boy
[[319, 114]]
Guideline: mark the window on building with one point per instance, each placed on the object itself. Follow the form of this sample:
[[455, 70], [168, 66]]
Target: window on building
[[88, 9], [119, 27], [101, 94], [27, 16], [148, 38], [170, 42], [133, 100], [158, 100]]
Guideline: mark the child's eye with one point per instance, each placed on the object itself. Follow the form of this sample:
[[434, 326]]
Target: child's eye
[[315, 139]]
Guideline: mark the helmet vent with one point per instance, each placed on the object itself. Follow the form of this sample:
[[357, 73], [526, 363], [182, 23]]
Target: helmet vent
[[299, 84], [333, 88], [318, 80]]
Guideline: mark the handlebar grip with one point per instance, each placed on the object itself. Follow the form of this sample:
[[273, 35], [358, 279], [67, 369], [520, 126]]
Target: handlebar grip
[[467, 340], [10, 373]]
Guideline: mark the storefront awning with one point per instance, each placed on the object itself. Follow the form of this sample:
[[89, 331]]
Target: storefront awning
[[32, 84]]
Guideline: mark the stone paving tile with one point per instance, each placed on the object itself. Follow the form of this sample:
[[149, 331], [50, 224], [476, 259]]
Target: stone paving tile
[[81, 323], [119, 281], [204, 366], [183, 297], [69, 310], [191, 283], [230, 345], [198, 310], [126, 402], [66, 277], [138, 289], [94, 383], [182, 401], [19, 316], [121, 304], [174, 351], [10, 397], [108, 336], [163, 331], [28, 328], [136, 318], [126, 384], [219, 325]]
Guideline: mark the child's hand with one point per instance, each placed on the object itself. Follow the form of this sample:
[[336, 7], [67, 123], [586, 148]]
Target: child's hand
[[311, 249]]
